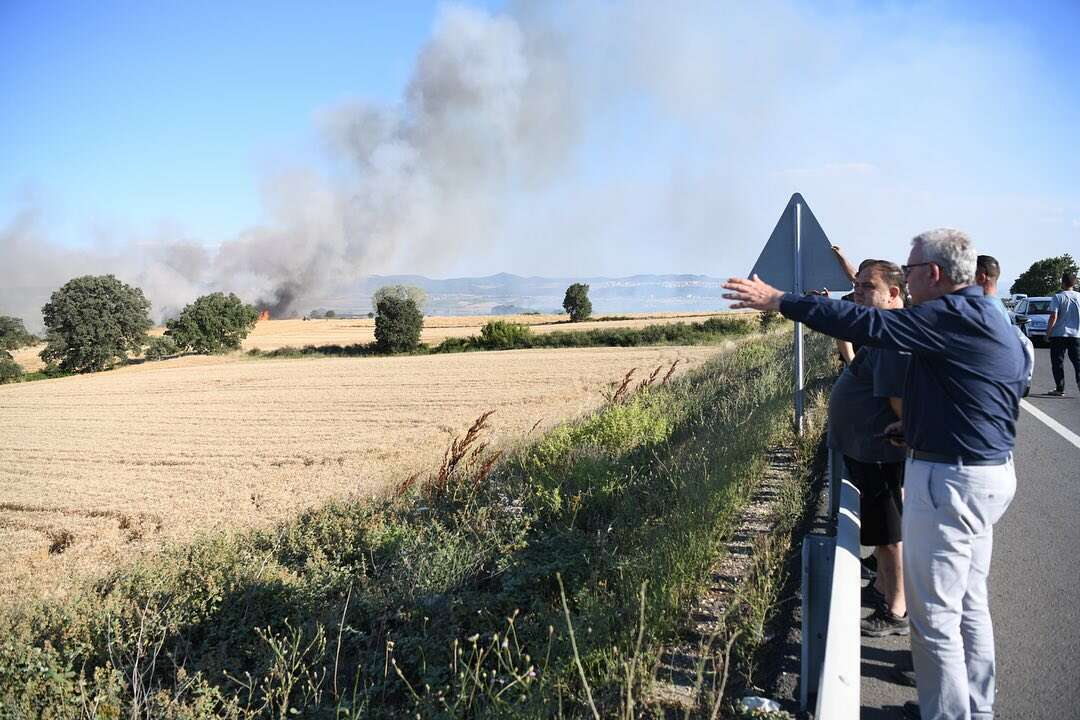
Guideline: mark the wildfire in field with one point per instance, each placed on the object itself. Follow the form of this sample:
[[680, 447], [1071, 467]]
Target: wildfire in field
[[264, 315]]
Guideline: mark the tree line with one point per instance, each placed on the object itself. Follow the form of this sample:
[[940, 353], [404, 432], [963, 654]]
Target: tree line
[[95, 322]]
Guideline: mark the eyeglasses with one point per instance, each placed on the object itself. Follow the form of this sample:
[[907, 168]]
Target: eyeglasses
[[906, 269]]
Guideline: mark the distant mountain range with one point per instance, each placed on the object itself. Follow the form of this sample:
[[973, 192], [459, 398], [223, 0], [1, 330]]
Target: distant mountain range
[[507, 294], [501, 294]]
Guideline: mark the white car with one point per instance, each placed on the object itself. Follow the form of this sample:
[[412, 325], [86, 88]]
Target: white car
[[1031, 315]]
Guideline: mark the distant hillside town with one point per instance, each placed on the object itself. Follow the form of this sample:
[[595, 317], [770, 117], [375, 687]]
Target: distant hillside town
[[507, 294]]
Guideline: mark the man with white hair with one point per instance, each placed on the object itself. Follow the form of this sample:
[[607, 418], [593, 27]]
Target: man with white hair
[[961, 403]]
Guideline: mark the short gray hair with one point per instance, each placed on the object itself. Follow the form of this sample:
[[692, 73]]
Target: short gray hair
[[951, 250]]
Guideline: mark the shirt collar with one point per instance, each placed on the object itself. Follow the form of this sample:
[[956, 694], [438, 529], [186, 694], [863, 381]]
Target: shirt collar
[[970, 291]]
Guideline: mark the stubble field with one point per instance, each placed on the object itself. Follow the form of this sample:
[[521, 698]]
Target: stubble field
[[97, 469], [273, 334]]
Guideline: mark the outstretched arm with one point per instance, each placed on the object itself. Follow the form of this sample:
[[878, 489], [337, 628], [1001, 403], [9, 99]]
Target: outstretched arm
[[912, 329]]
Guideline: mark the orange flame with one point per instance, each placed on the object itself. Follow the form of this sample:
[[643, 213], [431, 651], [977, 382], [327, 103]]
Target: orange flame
[[264, 315]]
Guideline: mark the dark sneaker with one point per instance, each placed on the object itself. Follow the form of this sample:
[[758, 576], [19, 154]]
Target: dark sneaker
[[883, 623], [871, 597], [1057, 393]]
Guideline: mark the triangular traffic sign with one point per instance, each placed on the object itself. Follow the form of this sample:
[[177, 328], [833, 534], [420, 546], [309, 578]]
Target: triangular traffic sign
[[820, 266]]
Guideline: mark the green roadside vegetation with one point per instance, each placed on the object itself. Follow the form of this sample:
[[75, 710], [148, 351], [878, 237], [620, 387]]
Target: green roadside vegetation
[[503, 335], [541, 582], [758, 597]]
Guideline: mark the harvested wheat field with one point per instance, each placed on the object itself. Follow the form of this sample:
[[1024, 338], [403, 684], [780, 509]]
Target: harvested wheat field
[[274, 334], [96, 469]]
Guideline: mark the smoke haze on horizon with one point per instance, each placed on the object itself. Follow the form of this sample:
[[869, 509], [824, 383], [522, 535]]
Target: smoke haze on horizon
[[610, 139]]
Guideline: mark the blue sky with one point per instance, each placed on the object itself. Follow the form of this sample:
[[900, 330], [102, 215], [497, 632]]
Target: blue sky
[[142, 111], [683, 129]]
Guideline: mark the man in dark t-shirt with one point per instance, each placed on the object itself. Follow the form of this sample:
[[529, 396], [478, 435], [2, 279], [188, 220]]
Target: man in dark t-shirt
[[864, 401]]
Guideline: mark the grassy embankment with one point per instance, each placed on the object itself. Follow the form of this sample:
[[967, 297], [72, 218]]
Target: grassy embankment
[[502, 335], [541, 583]]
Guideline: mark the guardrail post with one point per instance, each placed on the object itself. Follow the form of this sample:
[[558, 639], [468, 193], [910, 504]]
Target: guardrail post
[[817, 563], [831, 647], [840, 684]]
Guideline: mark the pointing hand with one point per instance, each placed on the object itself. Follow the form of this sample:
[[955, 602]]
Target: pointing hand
[[753, 293]]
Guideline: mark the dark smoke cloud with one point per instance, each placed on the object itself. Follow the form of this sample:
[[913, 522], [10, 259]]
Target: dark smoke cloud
[[280, 303], [425, 180]]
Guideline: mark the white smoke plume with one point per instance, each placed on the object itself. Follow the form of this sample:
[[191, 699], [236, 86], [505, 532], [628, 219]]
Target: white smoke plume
[[489, 108], [712, 114]]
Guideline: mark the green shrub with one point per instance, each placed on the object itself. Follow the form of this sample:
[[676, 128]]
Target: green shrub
[[503, 335], [13, 334], [768, 320], [10, 371], [161, 348], [458, 344], [398, 323], [213, 323]]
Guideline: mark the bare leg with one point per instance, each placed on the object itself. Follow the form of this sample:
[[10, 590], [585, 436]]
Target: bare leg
[[891, 568]]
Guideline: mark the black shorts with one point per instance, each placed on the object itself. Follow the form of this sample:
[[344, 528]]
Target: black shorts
[[881, 504]]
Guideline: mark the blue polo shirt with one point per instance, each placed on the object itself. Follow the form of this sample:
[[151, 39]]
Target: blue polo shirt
[[859, 409], [967, 371]]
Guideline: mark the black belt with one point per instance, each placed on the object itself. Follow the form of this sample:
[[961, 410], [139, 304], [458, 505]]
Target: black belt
[[953, 459]]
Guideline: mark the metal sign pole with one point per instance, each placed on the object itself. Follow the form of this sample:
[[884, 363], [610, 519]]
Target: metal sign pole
[[798, 325], [798, 257]]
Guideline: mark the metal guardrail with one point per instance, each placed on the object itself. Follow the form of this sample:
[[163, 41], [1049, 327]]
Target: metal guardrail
[[831, 644]]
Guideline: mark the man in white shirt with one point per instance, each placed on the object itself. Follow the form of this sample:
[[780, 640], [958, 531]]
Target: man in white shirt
[[1063, 332]]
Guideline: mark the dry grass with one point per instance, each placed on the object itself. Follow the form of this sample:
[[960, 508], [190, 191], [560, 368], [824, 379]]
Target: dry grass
[[28, 357], [97, 468]]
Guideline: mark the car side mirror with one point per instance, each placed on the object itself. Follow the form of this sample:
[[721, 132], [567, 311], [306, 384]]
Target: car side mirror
[[1021, 320]]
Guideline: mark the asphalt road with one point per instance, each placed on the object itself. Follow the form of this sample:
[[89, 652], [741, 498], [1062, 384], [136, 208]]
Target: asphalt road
[[1034, 578]]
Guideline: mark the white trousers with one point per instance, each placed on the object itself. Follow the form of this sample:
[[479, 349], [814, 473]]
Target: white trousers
[[948, 534]]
